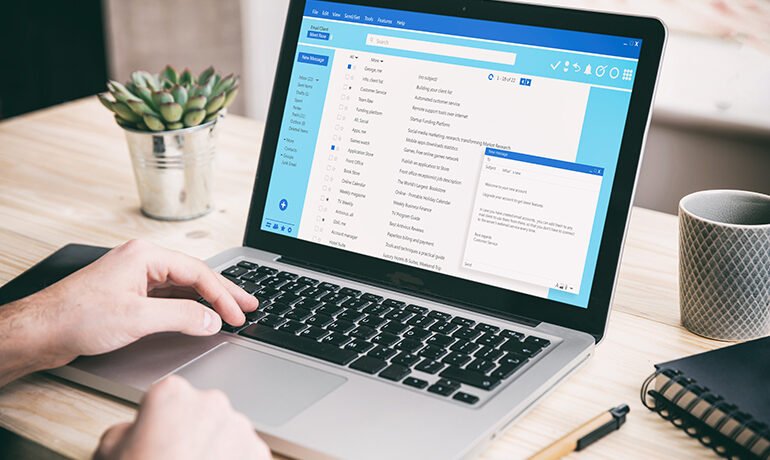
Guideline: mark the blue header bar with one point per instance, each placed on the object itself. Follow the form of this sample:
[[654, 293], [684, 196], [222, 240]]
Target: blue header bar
[[609, 45], [595, 170]]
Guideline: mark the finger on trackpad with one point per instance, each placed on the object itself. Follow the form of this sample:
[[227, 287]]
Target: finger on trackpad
[[267, 389]]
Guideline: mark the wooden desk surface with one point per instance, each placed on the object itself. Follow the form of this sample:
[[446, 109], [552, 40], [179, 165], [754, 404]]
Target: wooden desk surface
[[65, 176]]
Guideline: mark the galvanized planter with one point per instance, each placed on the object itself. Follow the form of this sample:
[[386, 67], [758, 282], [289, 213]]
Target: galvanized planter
[[174, 170]]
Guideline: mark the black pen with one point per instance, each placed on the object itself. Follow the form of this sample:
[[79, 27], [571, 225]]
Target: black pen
[[586, 434]]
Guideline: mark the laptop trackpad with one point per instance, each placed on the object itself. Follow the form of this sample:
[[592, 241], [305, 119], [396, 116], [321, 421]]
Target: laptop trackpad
[[267, 389]]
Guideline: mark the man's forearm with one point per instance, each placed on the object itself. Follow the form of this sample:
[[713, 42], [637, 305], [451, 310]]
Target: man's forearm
[[25, 341]]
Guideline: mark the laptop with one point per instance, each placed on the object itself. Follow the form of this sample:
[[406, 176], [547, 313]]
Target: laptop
[[435, 228]]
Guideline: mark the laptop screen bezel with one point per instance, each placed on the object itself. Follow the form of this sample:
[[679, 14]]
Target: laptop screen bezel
[[468, 294]]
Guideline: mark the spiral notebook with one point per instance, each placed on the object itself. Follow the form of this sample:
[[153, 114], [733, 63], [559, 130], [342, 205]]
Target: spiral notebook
[[720, 397]]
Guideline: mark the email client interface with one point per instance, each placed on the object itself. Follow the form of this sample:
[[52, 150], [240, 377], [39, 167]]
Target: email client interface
[[476, 149]]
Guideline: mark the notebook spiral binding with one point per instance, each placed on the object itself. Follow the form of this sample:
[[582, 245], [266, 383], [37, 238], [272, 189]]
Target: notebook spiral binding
[[711, 437]]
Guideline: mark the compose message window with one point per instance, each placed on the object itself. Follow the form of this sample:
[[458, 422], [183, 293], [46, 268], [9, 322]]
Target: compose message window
[[475, 149]]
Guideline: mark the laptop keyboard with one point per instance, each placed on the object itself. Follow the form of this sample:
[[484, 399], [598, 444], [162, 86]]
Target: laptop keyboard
[[379, 336]]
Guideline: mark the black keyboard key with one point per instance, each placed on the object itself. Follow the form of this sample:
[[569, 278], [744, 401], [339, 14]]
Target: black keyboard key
[[429, 366], [466, 333], [463, 346], [314, 332], [319, 320], [444, 327], [382, 352], [473, 379], [299, 344], [490, 339], [341, 326], [399, 315], [350, 292], [512, 359], [328, 286], [417, 309], [363, 332], [395, 327], [272, 320], [416, 383], [330, 309], [292, 327], [274, 283], [229, 328], [444, 387], [465, 397], [368, 364], [376, 309], [417, 333], [409, 345], [267, 270], [249, 287], [255, 315], [235, 271], [253, 277], [456, 359], [287, 276], [421, 321], [519, 348], [440, 340], [395, 372], [299, 314], [533, 341], [374, 298], [359, 346], [355, 304], [372, 321], [267, 293], [314, 293], [487, 327], [294, 288], [385, 339], [277, 308], [480, 365], [509, 334], [310, 304], [288, 297], [405, 359], [351, 315], [333, 298], [307, 281], [463, 321], [337, 339], [504, 371], [393, 303], [489, 353], [440, 315], [248, 265], [433, 352]]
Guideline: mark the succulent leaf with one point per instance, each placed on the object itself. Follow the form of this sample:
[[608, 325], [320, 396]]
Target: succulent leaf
[[124, 112], [194, 117], [145, 94], [169, 73], [215, 104], [175, 125], [171, 111], [153, 123], [230, 96], [137, 78], [224, 84], [206, 74], [123, 123], [161, 97], [196, 102], [211, 117], [180, 95], [186, 78], [151, 81], [120, 92], [106, 101], [141, 108]]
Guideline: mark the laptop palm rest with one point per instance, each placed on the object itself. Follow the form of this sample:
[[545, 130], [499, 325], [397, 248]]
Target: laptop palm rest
[[269, 390]]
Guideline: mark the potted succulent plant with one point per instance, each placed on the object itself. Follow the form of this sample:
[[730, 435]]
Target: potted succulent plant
[[170, 120]]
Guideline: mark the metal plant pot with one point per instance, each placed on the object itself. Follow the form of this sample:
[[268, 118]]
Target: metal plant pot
[[174, 170]]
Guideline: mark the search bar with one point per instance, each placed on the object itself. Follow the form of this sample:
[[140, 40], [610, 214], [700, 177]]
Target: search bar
[[441, 49]]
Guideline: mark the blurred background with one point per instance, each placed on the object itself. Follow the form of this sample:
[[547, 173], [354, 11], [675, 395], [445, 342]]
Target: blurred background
[[710, 126]]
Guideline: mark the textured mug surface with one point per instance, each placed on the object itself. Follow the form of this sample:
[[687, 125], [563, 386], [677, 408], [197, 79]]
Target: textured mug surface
[[724, 264]]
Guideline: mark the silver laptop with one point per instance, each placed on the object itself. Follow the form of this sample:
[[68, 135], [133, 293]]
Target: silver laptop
[[435, 228]]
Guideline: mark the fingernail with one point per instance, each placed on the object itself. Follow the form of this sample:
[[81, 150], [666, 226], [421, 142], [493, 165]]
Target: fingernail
[[208, 319]]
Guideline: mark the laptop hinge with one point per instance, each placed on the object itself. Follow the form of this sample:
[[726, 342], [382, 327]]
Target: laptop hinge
[[412, 292]]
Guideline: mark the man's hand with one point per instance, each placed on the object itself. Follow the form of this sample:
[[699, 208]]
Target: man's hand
[[113, 302], [176, 421]]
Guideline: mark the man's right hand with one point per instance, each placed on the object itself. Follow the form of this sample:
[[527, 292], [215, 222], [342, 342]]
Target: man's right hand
[[176, 421]]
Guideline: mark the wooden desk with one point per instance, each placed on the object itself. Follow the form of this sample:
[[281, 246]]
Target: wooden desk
[[65, 176]]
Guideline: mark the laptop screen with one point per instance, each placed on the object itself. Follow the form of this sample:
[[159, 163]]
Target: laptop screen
[[476, 149]]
